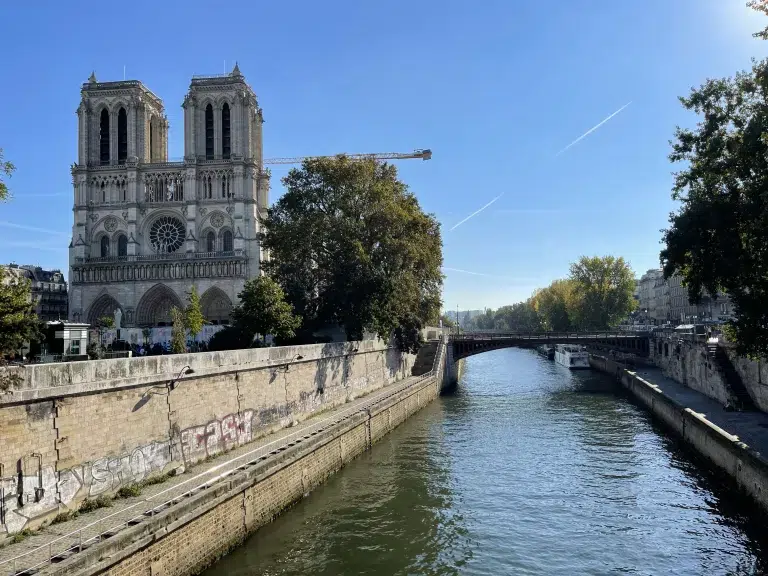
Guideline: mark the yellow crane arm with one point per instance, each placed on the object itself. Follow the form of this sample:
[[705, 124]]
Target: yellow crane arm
[[425, 154]]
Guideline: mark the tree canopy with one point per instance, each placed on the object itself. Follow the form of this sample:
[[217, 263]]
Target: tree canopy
[[6, 169], [18, 321], [598, 294], [351, 246], [718, 238], [263, 310]]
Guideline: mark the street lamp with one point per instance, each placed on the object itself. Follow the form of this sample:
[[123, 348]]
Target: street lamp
[[184, 371]]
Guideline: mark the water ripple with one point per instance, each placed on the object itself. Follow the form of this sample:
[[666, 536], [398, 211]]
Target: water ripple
[[526, 469]]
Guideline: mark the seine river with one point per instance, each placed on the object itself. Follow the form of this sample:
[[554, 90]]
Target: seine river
[[526, 469]]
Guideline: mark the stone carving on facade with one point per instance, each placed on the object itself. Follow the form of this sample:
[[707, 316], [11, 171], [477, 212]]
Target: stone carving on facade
[[184, 210], [203, 211], [217, 220], [143, 211], [125, 215], [230, 208], [94, 216], [110, 224]]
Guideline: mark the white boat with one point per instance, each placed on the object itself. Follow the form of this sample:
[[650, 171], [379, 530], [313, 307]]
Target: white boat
[[572, 356]]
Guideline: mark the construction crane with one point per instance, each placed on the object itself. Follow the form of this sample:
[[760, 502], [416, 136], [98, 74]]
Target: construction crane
[[423, 154]]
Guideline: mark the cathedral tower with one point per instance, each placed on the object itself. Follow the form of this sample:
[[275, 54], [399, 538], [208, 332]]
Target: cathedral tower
[[146, 229]]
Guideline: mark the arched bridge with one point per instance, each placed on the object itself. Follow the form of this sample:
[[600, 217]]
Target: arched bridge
[[472, 343]]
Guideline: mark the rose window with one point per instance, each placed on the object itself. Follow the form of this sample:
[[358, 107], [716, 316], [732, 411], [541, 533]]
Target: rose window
[[166, 234]]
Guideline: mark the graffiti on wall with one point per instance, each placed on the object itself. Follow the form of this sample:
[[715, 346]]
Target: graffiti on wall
[[217, 436], [24, 497]]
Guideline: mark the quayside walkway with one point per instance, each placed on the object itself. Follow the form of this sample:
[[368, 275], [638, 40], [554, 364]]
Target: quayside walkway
[[750, 427], [43, 549]]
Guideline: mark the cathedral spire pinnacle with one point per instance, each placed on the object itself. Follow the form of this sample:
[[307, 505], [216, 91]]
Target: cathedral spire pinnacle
[[236, 70], [92, 78]]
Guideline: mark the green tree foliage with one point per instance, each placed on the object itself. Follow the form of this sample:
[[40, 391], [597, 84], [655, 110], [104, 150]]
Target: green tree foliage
[[178, 331], [230, 338], [558, 306], [448, 322], [352, 247], [18, 321], [603, 287], [718, 238], [193, 314], [263, 310], [760, 6], [6, 170]]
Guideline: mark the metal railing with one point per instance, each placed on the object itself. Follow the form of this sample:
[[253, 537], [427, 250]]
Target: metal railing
[[470, 336], [73, 542]]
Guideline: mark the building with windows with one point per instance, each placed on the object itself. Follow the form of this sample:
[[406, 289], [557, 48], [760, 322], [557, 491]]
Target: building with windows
[[48, 290], [145, 228]]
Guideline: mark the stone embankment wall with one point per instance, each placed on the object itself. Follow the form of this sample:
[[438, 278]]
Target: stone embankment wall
[[189, 536], [76, 430], [727, 452], [688, 362]]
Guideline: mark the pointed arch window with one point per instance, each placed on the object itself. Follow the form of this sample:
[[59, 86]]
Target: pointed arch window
[[105, 246], [104, 137], [210, 242], [226, 140], [122, 246], [122, 136], [209, 132], [226, 241]]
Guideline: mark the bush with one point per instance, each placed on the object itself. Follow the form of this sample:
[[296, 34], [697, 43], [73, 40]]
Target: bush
[[231, 338]]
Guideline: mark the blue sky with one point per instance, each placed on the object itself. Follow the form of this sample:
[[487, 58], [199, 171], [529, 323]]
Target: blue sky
[[494, 88]]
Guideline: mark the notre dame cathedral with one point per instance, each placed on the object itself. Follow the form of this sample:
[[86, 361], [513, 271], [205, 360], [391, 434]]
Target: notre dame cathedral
[[147, 229]]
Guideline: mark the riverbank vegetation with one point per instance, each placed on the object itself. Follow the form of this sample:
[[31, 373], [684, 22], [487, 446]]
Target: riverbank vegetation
[[596, 295]]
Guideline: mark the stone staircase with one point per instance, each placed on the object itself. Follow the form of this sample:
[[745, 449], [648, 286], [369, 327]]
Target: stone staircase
[[731, 377], [425, 358]]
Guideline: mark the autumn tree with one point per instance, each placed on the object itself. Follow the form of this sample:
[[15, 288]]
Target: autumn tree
[[558, 306], [604, 287], [6, 170], [178, 331], [351, 246], [193, 314]]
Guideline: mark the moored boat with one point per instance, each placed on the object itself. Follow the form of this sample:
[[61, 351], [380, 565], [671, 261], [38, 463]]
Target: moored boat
[[572, 356], [546, 350]]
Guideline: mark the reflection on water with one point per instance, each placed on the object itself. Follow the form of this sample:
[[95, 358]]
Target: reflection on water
[[527, 469]]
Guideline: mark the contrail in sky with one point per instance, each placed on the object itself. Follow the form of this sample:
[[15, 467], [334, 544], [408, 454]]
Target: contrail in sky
[[32, 228], [465, 271], [595, 127], [476, 212]]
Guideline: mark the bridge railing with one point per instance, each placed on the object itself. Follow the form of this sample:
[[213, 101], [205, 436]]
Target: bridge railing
[[560, 336]]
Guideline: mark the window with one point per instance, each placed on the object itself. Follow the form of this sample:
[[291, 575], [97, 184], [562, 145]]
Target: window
[[104, 246], [104, 137], [209, 132], [122, 136], [210, 242], [227, 241], [74, 347], [122, 245], [225, 132]]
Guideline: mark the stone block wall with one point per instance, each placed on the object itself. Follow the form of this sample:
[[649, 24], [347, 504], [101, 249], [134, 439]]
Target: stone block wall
[[82, 429], [688, 362]]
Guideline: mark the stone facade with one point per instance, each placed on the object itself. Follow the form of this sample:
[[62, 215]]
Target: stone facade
[[48, 288], [145, 229]]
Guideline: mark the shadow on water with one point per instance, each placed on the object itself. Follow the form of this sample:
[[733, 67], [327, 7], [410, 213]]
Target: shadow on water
[[390, 511]]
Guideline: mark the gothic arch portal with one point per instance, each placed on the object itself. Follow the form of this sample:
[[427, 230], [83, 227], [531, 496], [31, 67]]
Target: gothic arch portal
[[155, 306], [216, 306], [104, 305]]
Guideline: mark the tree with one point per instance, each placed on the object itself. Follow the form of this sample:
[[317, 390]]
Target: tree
[[558, 306], [193, 315], [604, 287], [19, 323], [178, 332], [760, 6], [351, 246], [718, 238], [6, 169], [448, 322], [230, 338], [263, 310]]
